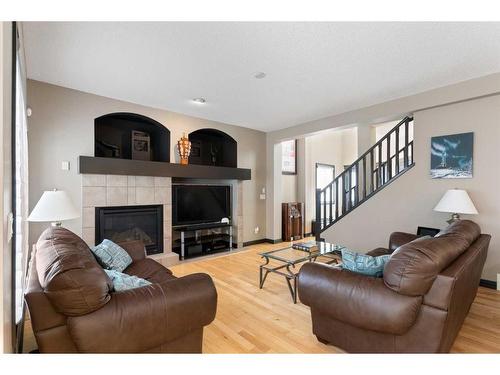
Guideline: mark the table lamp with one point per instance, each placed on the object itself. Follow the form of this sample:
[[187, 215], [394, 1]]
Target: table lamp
[[54, 206], [456, 202]]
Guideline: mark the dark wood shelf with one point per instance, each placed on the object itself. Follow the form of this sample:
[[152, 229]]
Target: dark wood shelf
[[97, 165]]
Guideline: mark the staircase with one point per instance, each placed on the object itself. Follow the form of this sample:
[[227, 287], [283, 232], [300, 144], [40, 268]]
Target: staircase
[[385, 161]]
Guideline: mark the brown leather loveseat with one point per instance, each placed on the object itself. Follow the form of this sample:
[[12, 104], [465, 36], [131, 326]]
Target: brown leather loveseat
[[73, 310], [418, 306]]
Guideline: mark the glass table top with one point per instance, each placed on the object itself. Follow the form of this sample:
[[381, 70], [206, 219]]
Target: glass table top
[[292, 255]]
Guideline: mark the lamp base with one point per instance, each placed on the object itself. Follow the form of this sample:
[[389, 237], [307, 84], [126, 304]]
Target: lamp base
[[454, 217]]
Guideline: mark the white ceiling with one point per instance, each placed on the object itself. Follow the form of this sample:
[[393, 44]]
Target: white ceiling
[[313, 69]]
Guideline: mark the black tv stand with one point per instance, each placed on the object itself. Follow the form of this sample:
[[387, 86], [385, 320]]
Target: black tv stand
[[200, 239]]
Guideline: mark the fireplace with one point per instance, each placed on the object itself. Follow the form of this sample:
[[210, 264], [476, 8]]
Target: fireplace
[[130, 223]]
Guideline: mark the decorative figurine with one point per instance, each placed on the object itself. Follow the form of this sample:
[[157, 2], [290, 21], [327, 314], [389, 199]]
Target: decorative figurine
[[184, 148]]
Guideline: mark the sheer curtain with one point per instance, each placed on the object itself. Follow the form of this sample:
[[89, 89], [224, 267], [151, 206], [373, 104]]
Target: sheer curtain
[[21, 187]]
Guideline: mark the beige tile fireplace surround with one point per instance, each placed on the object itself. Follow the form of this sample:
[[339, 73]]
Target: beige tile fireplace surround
[[99, 190]]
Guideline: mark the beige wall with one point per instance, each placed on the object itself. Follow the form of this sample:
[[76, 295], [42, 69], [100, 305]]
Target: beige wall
[[334, 147], [409, 201], [349, 147], [62, 128], [289, 188], [382, 112], [379, 130]]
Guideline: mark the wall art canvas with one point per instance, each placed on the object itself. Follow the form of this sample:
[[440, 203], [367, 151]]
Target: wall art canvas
[[289, 157], [451, 156]]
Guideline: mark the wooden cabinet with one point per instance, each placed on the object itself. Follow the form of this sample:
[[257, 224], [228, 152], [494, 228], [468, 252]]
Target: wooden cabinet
[[291, 221]]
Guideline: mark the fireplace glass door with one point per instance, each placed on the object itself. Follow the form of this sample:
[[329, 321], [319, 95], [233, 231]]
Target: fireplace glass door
[[131, 223]]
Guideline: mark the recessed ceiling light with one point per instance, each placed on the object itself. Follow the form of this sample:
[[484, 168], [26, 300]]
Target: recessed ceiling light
[[199, 100], [259, 75]]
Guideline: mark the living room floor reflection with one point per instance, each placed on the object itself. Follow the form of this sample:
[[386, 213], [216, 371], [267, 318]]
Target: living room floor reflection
[[253, 320]]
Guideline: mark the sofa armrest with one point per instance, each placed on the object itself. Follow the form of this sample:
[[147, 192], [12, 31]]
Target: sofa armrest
[[398, 239], [361, 301], [135, 249], [144, 318]]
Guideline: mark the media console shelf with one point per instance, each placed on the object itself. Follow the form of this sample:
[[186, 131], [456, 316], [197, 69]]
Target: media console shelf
[[203, 239]]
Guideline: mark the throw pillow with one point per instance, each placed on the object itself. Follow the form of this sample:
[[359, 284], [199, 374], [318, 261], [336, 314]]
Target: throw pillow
[[364, 264], [111, 256], [122, 281]]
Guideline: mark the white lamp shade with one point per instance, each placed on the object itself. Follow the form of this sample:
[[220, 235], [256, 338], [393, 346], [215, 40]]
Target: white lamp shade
[[456, 201], [54, 206]]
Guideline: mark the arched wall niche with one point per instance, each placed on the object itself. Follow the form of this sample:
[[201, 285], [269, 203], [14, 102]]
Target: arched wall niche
[[213, 147], [131, 136]]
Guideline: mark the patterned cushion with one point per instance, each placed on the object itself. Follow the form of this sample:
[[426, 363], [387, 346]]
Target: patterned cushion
[[364, 264], [122, 281], [111, 256]]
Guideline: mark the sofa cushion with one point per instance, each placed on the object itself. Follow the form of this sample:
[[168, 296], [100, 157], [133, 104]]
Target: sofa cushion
[[364, 264], [69, 274], [414, 266], [464, 229], [149, 270], [112, 256], [122, 281]]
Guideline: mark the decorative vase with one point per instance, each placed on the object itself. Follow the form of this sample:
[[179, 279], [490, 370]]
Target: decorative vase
[[184, 148]]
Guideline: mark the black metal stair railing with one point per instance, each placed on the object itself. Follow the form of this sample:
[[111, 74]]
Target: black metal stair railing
[[385, 161]]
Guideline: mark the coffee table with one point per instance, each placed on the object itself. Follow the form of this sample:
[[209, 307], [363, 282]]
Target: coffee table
[[288, 258]]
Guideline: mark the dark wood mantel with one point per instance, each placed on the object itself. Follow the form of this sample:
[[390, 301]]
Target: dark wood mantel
[[96, 165]]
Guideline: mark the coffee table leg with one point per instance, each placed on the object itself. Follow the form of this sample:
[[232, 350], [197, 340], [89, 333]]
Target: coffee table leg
[[295, 289], [262, 279], [292, 288]]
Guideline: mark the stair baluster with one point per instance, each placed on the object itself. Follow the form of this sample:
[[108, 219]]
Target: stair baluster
[[381, 173]]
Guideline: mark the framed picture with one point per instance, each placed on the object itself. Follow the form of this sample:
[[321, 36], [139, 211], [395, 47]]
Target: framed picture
[[289, 157], [140, 145], [451, 156]]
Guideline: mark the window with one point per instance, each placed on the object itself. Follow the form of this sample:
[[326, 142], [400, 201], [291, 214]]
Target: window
[[289, 157], [19, 189], [350, 183], [325, 173]]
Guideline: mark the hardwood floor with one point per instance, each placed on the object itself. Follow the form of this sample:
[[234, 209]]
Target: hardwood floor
[[249, 319], [253, 320]]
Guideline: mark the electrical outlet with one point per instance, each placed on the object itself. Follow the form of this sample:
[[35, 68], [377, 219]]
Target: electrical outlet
[[256, 230], [263, 196]]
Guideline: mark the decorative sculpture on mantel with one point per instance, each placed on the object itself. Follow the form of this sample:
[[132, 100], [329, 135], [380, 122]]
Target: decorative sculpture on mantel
[[184, 148], [213, 154]]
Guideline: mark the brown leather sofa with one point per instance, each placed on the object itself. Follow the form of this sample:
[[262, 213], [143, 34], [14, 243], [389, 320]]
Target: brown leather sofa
[[417, 307], [73, 309]]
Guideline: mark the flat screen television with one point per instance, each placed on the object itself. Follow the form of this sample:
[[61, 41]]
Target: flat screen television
[[197, 204]]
